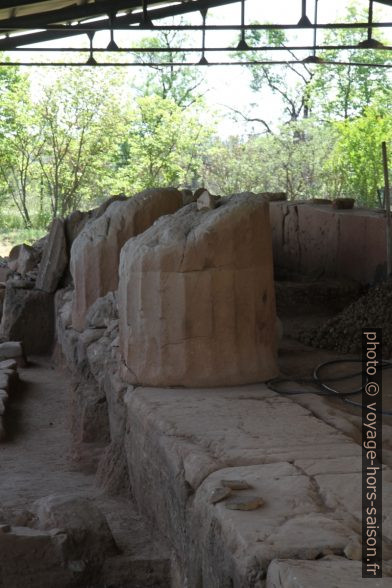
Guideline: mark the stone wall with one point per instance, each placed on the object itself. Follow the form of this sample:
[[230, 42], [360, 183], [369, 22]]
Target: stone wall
[[320, 240]]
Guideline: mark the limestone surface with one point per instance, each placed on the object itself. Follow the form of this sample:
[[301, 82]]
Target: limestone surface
[[182, 444], [33, 558], [54, 258], [196, 297], [325, 573], [95, 252]]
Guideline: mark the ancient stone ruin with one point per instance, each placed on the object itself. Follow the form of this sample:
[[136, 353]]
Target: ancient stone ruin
[[154, 290], [96, 250], [142, 441], [196, 297]]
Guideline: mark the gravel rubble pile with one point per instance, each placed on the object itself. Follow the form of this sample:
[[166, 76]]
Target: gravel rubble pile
[[343, 332]]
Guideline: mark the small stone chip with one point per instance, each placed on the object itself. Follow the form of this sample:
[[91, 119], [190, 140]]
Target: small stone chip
[[206, 201], [219, 494], [245, 503], [236, 484], [353, 550]]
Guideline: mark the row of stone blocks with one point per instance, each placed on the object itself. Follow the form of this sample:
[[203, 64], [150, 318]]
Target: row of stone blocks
[[194, 280], [195, 287], [174, 448]]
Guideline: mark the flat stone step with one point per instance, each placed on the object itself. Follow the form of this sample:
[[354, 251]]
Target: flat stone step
[[337, 572]]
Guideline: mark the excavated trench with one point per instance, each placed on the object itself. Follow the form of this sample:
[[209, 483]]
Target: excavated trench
[[36, 461], [106, 482]]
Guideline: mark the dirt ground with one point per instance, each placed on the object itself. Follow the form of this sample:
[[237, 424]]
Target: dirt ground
[[35, 459], [37, 444]]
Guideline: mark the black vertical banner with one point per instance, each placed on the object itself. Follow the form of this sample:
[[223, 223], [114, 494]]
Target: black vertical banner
[[371, 453]]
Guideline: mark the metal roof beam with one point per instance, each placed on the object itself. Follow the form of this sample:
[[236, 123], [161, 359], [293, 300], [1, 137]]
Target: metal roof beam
[[71, 13], [122, 22]]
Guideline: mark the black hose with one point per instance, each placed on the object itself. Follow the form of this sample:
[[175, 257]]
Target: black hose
[[322, 389]]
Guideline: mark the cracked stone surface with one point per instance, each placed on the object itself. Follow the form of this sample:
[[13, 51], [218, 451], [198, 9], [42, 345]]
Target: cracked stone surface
[[352, 246], [196, 297], [238, 426], [96, 250], [54, 258], [181, 444]]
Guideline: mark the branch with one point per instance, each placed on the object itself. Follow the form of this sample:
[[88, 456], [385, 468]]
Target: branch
[[248, 119], [279, 91]]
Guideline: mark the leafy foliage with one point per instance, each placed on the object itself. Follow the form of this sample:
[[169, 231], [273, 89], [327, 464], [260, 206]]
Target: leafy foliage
[[181, 85], [349, 89], [78, 124], [356, 160], [292, 161], [164, 146], [79, 135]]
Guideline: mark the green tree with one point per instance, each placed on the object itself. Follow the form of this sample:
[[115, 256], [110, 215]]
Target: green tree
[[290, 83], [343, 91], [291, 160], [181, 85], [356, 161], [80, 120], [19, 146], [164, 146]]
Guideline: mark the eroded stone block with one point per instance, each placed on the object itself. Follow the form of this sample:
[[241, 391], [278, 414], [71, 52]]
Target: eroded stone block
[[95, 252], [28, 316], [196, 297], [54, 258]]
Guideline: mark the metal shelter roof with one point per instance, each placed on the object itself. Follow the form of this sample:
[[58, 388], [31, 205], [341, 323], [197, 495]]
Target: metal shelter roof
[[24, 23]]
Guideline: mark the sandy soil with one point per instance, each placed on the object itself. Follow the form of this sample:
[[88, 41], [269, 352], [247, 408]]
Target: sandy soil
[[34, 458]]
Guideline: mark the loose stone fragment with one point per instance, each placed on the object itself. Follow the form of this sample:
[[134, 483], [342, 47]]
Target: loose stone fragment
[[343, 203], [199, 192], [236, 484], [246, 503], [206, 201], [219, 494], [353, 550], [23, 258]]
